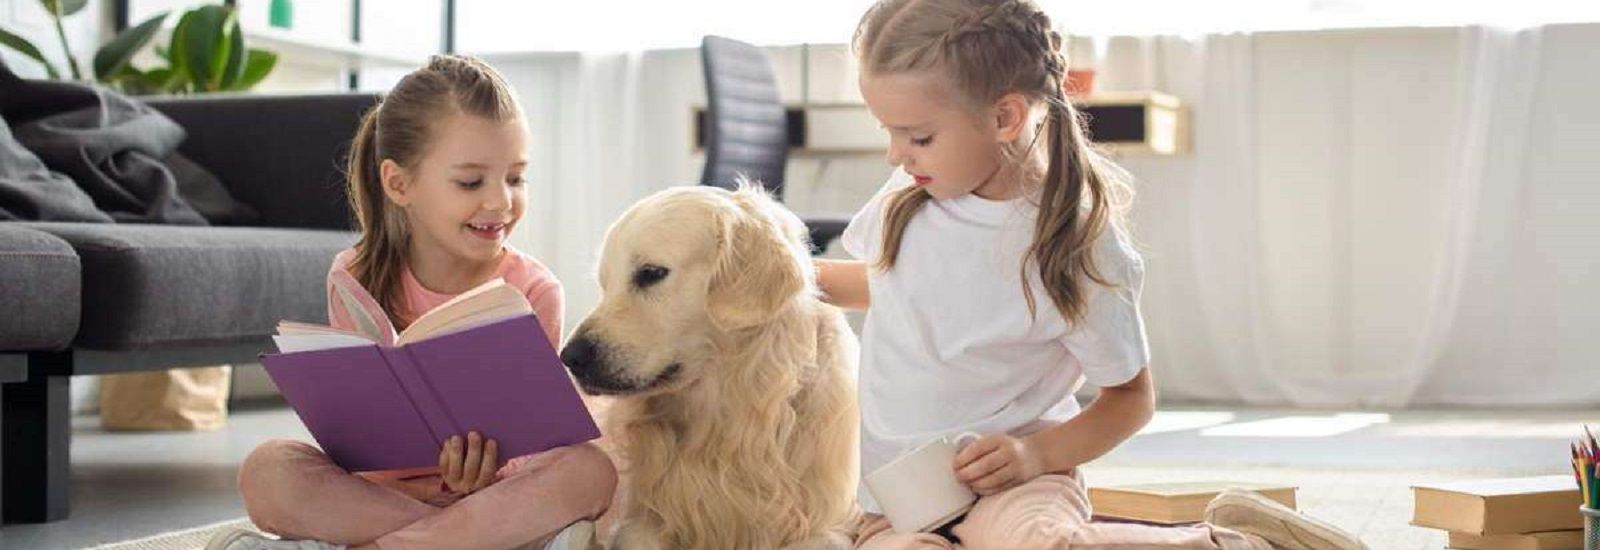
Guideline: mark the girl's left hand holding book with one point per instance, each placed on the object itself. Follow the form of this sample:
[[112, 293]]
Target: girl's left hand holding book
[[469, 464]]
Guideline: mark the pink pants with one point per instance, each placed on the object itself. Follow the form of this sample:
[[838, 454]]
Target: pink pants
[[1052, 512], [293, 490]]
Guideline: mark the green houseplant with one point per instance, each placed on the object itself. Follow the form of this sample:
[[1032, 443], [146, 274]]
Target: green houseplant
[[206, 53]]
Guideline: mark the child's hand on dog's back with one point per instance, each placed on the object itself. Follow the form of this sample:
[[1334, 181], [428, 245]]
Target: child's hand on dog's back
[[469, 464]]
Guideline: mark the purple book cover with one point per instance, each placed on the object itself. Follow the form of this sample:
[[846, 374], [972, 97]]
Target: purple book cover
[[374, 408]]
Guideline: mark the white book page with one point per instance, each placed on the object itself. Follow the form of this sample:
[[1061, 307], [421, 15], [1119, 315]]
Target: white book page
[[292, 343]]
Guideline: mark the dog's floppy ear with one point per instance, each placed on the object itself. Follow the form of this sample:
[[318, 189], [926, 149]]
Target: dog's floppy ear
[[758, 267]]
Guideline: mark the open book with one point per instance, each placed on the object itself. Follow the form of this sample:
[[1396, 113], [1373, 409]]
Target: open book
[[490, 301], [377, 399]]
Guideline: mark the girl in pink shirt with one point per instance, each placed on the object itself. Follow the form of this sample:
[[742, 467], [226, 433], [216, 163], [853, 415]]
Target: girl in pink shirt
[[435, 179]]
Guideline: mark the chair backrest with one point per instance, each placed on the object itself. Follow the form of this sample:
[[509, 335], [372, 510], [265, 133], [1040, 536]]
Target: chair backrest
[[746, 129]]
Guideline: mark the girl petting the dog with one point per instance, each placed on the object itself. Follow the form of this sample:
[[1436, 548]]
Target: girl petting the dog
[[435, 180], [999, 279]]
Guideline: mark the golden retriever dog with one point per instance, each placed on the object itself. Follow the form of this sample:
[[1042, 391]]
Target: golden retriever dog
[[733, 417]]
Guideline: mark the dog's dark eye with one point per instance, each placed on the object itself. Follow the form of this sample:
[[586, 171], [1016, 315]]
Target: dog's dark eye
[[648, 275]]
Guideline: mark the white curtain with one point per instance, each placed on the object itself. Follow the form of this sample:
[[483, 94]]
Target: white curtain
[[1368, 218], [1501, 72], [1374, 218], [1198, 221], [1525, 319]]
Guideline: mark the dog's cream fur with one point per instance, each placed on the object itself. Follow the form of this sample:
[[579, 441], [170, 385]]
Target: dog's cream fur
[[735, 421]]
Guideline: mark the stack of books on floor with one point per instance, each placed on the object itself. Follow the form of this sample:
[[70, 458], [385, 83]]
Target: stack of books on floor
[[1530, 513], [1171, 503]]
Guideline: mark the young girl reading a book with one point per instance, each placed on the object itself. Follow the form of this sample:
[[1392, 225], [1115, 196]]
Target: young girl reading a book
[[999, 278], [435, 180]]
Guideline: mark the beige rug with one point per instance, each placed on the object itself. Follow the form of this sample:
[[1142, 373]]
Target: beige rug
[[1374, 504], [187, 539]]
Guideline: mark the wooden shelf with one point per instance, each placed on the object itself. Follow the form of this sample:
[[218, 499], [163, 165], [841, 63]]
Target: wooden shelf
[[1137, 123]]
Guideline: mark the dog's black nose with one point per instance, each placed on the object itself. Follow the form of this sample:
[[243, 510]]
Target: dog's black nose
[[579, 354]]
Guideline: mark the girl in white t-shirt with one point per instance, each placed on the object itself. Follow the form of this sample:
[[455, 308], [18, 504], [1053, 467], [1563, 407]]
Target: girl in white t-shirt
[[999, 279]]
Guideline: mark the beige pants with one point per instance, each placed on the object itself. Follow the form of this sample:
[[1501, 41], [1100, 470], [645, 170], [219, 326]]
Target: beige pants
[[1052, 512]]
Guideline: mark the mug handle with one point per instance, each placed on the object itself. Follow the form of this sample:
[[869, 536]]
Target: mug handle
[[966, 438]]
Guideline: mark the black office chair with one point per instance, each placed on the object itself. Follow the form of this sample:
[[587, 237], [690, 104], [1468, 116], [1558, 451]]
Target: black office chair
[[746, 128]]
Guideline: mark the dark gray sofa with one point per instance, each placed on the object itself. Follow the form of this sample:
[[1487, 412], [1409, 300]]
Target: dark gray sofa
[[85, 298]]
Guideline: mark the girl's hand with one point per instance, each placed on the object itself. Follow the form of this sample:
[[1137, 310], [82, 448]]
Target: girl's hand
[[469, 466], [998, 462]]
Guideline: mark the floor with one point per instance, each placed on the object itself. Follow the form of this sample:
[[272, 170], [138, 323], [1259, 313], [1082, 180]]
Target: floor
[[1354, 468]]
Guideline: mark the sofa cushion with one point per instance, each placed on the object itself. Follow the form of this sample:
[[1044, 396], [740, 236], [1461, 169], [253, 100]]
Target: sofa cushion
[[282, 155], [201, 189], [153, 285], [38, 290]]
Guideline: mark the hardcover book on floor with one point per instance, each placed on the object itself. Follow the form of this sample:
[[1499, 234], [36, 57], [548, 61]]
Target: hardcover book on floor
[[1172, 503], [1499, 506]]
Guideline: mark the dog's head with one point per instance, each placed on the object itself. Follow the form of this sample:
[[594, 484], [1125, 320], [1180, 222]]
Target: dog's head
[[677, 270]]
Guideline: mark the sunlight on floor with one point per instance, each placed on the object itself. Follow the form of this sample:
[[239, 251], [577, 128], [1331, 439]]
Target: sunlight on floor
[[1299, 426], [1177, 421], [1478, 429]]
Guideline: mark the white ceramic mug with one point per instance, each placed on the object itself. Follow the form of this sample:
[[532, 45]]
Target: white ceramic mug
[[919, 491]]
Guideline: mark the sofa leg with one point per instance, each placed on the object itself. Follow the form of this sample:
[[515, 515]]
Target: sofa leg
[[13, 368], [2, 450], [37, 429]]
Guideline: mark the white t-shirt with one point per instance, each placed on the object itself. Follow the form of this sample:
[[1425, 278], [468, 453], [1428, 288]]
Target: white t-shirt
[[949, 346]]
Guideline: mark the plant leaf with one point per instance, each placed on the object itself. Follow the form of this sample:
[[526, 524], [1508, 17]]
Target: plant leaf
[[63, 7], [158, 80], [234, 68], [26, 48], [177, 49], [158, 77], [144, 83], [205, 46], [69, 7], [126, 80], [256, 67], [112, 57], [222, 52]]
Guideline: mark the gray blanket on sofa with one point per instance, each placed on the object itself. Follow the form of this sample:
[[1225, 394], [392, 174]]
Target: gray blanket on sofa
[[111, 146], [31, 191]]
